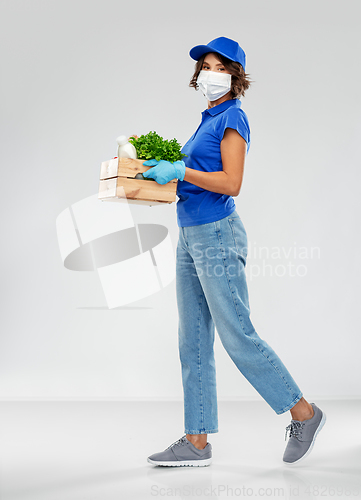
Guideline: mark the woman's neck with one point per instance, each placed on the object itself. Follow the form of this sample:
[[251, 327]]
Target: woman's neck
[[226, 97]]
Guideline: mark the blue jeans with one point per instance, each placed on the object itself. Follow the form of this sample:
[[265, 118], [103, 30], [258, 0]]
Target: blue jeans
[[212, 293]]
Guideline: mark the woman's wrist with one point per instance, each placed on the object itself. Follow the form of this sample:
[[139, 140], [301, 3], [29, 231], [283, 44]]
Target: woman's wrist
[[180, 169]]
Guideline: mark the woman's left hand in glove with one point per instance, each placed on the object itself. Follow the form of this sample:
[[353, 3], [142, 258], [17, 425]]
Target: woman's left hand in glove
[[165, 171]]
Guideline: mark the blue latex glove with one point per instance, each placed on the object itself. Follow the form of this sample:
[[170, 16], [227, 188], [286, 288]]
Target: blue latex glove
[[164, 171]]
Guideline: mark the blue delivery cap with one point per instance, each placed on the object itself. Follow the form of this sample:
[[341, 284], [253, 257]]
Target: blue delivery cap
[[224, 46]]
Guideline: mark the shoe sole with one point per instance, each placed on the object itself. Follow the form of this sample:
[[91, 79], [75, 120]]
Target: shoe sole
[[321, 424], [183, 463]]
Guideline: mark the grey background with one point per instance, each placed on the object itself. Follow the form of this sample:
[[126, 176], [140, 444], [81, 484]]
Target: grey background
[[76, 74]]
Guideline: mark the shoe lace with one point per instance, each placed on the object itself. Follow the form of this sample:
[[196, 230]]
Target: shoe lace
[[295, 429], [180, 442]]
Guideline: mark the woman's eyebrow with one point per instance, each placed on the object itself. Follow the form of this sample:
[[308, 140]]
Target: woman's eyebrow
[[219, 64]]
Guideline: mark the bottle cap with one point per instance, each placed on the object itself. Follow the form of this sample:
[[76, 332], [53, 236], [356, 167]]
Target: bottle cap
[[121, 140]]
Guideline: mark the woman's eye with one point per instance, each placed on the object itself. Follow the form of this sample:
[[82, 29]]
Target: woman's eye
[[207, 67]]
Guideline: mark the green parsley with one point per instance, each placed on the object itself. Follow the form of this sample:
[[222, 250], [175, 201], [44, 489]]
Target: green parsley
[[152, 146]]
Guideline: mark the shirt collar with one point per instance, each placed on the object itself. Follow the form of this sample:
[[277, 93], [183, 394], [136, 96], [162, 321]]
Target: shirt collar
[[222, 107]]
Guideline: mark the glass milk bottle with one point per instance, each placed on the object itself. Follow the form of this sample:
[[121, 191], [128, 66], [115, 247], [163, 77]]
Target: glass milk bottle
[[125, 148]]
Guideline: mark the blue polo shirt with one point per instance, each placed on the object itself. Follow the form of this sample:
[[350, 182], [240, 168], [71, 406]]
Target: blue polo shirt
[[197, 205]]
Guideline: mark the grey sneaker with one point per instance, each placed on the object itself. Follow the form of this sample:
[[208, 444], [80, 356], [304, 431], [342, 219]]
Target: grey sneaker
[[302, 436], [183, 453]]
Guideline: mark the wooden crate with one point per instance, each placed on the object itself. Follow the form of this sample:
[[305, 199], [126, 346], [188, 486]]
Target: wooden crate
[[120, 172]]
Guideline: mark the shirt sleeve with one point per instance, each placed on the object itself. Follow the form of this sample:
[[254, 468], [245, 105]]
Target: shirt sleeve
[[235, 118]]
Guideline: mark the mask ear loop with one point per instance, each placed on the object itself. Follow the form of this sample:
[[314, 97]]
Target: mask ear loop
[[199, 81], [202, 83]]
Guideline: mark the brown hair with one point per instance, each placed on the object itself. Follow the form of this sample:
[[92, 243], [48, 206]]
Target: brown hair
[[240, 80]]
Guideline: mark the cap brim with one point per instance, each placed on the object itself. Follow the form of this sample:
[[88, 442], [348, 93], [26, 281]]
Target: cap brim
[[197, 52]]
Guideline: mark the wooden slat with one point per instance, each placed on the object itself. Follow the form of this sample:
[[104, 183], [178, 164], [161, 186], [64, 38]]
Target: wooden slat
[[137, 190], [108, 188], [124, 167], [109, 169], [128, 167]]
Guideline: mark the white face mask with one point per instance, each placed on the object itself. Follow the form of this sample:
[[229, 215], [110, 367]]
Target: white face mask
[[214, 84]]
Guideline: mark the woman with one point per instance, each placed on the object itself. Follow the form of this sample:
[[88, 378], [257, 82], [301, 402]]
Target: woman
[[210, 270]]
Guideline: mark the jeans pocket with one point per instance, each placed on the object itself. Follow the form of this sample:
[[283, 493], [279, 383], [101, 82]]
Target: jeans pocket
[[239, 237]]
